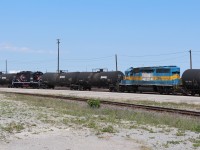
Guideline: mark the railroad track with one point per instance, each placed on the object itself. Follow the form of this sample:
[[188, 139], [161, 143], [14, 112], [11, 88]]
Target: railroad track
[[120, 104]]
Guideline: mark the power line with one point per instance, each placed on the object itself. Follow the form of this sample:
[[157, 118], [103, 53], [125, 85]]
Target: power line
[[54, 60], [89, 59], [155, 54], [167, 59]]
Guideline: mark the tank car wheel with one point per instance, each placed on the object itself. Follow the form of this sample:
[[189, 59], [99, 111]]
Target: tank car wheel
[[134, 91], [193, 93], [174, 93], [121, 89], [80, 88]]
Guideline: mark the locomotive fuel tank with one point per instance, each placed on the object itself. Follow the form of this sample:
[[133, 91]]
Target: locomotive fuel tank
[[191, 80]]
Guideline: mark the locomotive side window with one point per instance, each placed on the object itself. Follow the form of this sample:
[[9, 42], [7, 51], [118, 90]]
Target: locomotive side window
[[177, 72], [162, 70], [136, 70], [147, 71]]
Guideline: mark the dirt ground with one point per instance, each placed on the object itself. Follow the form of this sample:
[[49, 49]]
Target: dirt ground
[[21, 128], [68, 139]]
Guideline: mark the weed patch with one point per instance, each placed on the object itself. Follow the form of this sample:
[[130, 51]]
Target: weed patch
[[82, 115], [13, 127], [108, 129], [94, 103]]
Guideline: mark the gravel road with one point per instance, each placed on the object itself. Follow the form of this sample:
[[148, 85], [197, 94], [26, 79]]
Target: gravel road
[[112, 95]]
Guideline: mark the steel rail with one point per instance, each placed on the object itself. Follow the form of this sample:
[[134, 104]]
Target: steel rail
[[121, 104]]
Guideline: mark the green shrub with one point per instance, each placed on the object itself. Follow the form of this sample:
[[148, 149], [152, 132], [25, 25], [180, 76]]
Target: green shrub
[[13, 126], [94, 103], [108, 129]]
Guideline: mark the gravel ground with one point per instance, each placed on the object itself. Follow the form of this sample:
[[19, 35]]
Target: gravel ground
[[39, 135], [112, 95]]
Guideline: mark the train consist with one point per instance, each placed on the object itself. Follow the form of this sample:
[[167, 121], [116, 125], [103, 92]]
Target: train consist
[[161, 79], [73, 80]]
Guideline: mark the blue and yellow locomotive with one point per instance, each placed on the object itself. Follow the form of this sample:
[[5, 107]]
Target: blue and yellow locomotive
[[162, 79]]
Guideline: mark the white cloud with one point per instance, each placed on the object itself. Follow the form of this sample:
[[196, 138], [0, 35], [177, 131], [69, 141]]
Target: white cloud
[[10, 47], [14, 71]]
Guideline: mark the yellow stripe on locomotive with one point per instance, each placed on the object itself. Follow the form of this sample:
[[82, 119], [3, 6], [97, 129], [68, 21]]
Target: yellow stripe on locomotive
[[140, 78]]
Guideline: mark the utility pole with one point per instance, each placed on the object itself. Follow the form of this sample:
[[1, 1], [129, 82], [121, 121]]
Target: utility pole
[[58, 42], [6, 67], [190, 59], [116, 61]]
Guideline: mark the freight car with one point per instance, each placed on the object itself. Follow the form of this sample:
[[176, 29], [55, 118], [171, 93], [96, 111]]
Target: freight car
[[83, 80], [49, 80], [191, 81], [110, 80], [27, 79], [162, 79], [73, 80], [6, 79]]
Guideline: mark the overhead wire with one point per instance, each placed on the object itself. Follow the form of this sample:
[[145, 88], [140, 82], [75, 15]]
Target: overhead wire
[[108, 58], [164, 54], [90, 59]]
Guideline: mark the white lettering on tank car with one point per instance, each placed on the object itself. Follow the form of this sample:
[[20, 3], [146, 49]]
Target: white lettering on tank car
[[62, 77], [3, 78], [103, 77]]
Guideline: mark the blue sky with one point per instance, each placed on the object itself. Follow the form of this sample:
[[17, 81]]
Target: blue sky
[[91, 32]]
